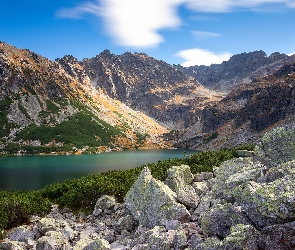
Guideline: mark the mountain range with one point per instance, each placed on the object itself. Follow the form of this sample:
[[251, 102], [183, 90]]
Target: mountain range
[[114, 102]]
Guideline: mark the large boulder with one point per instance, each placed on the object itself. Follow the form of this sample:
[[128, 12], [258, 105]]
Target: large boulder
[[268, 203], [219, 219], [233, 173], [277, 146], [179, 180], [280, 237], [152, 203]]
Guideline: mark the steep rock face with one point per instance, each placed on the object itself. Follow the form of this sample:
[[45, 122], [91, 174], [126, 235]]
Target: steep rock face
[[239, 69], [248, 111], [149, 85], [45, 99]]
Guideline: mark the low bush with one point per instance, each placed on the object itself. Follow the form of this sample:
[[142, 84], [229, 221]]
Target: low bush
[[17, 207], [82, 194]]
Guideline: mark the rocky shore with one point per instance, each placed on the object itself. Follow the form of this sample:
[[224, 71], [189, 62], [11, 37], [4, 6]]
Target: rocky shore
[[246, 203]]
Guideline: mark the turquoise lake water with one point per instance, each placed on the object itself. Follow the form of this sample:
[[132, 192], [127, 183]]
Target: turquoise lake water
[[35, 172]]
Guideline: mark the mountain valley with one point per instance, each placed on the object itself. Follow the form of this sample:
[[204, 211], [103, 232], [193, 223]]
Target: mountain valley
[[115, 102]]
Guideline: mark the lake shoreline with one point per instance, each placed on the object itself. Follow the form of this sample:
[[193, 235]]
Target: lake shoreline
[[42, 170]]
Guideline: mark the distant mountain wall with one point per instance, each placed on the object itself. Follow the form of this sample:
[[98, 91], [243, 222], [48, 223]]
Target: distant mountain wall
[[239, 69], [114, 102]]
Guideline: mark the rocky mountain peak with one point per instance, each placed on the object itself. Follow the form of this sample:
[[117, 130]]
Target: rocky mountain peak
[[239, 69]]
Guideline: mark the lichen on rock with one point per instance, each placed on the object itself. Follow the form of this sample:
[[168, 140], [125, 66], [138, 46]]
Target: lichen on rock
[[179, 180], [277, 146], [151, 202], [233, 173]]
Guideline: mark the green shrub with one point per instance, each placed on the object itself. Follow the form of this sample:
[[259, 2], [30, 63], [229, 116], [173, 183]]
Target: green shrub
[[17, 207], [79, 130], [52, 107], [82, 194]]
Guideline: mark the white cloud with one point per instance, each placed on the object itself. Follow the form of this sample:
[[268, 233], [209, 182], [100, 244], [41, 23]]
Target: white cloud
[[230, 5], [136, 23], [202, 35], [198, 56], [133, 23], [79, 11], [291, 54]]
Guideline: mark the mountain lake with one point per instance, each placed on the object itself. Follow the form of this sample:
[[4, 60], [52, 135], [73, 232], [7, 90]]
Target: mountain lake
[[35, 172]]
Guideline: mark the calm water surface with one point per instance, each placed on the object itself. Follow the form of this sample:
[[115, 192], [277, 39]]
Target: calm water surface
[[34, 172]]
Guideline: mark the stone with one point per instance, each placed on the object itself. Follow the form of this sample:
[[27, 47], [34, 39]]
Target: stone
[[88, 244], [125, 223], [53, 240], [242, 237], [219, 220], [211, 243], [179, 176], [233, 173], [21, 234], [200, 187], [277, 146], [118, 246], [47, 224], [172, 225], [104, 203], [151, 202], [12, 245], [158, 239], [267, 204], [180, 240], [179, 180], [279, 236], [203, 176]]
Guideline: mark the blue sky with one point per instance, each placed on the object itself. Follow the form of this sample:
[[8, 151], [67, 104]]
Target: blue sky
[[188, 32]]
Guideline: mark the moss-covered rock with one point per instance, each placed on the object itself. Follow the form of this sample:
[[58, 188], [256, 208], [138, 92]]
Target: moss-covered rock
[[53, 240], [233, 173], [219, 220], [179, 180], [277, 146], [268, 203], [152, 203], [242, 237], [88, 244]]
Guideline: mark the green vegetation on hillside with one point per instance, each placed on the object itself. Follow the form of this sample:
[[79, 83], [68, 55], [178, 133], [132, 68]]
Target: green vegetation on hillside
[[82, 194], [79, 130], [4, 125]]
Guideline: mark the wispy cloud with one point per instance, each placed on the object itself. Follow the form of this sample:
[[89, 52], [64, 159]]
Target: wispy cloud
[[231, 5], [79, 11], [202, 57], [136, 23], [203, 35]]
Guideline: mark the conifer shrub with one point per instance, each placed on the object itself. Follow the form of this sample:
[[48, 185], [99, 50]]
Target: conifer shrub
[[82, 194], [17, 207]]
